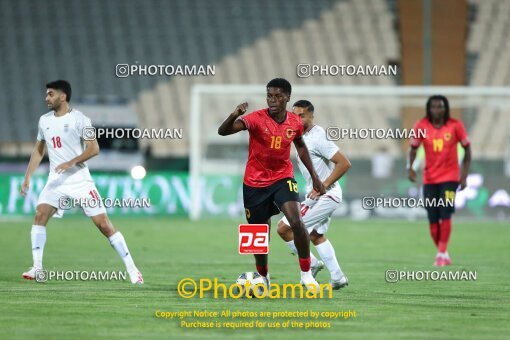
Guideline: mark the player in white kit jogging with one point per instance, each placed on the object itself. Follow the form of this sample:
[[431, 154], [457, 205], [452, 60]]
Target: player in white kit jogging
[[330, 165], [69, 180]]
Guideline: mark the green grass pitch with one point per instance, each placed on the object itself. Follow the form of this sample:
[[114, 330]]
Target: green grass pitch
[[169, 249]]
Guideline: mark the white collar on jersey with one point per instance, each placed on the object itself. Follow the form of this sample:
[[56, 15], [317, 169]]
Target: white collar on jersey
[[307, 132], [70, 109]]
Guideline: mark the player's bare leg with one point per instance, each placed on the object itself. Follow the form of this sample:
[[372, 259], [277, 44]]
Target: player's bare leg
[[117, 241], [38, 237], [287, 235], [261, 260], [302, 241], [43, 213], [104, 225]]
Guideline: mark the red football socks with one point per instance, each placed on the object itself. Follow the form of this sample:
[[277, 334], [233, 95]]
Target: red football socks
[[262, 269], [305, 264], [434, 232], [444, 234]]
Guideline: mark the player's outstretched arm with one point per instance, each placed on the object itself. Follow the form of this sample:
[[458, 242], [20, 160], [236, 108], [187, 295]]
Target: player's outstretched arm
[[303, 154], [412, 156], [466, 163], [233, 125], [35, 160], [91, 150]]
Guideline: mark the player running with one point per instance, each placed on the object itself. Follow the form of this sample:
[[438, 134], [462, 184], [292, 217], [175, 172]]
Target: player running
[[60, 130], [316, 211], [269, 185], [441, 176]]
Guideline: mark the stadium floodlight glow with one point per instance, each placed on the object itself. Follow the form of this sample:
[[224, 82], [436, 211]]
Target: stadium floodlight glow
[[138, 172], [470, 96]]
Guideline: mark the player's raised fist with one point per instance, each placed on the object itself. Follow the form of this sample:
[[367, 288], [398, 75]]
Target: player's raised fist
[[241, 109]]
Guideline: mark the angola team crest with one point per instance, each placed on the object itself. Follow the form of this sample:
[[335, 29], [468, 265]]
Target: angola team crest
[[290, 133]]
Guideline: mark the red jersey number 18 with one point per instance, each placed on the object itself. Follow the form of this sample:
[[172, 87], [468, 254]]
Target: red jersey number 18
[[56, 142]]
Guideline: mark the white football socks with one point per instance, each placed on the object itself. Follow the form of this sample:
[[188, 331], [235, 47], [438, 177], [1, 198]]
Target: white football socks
[[119, 244], [292, 247], [327, 254], [38, 237]]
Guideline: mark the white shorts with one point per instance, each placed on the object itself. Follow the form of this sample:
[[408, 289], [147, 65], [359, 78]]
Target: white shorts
[[317, 216], [59, 195]]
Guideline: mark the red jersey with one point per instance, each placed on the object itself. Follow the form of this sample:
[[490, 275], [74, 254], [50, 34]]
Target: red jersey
[[269, 147], [441, 160]]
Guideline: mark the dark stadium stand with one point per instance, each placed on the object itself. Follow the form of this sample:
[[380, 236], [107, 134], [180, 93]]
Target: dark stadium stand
[[82, 42]]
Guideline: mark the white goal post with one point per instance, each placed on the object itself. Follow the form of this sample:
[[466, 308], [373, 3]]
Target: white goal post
[[200, 90]]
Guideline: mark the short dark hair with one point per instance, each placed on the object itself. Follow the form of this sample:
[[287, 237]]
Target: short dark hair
[[61, 85], [446, 106], [304, 104], [280, 83]]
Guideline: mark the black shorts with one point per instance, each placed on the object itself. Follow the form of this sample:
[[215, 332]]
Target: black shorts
[[262, 203], [444, 192]]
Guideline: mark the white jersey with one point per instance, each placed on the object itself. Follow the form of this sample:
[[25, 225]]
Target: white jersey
[[321, 151], [63, 137]]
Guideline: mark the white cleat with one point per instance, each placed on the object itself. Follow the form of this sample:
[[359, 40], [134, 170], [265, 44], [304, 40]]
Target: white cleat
[[136, 277], [309, 282], [29, 274], [317, 268], [337, 284], [37, 274]]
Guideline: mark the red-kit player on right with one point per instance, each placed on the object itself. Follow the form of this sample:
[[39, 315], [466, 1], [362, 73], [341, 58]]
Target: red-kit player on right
[[442, 175], [269, 185]]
